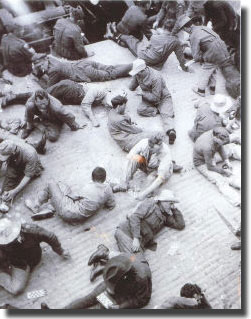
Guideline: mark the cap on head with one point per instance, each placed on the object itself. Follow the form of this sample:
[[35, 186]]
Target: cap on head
[[9, 230], [7, 147], [115, 269], [77, 13], [137, 66], [183, 20], [221, 103], [166, 196]]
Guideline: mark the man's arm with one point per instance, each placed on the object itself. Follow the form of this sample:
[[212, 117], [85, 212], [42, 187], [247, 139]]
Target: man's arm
[[175, 220], [209, 162], [110, 200], [180, 55], [155, 95], [152, 187], [79, 45], [140, 212], [42, 235], [133, 84], [179, 303], [63, 114], [195, 46]]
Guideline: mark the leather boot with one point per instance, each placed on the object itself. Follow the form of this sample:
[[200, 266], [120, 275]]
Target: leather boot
[[172, 136], [96, 271], [176, 168], [102, 252], [44, 306], [236, 246]]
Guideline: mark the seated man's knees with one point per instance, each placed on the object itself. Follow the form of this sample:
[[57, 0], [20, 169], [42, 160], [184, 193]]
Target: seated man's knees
[[52, 136]]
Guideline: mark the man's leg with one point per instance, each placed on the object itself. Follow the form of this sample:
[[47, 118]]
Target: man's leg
[[12, 179], [65, 207], [132, 43], [52, 131], [87, 109], [16, 282], [205, 74], [222, 183], [167, 114], [146, 109], [89, 300]]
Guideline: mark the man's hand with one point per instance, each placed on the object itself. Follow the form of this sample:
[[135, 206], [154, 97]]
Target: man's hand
[[135, 245], [25, 133], [139, 196], [227, 173], [66, 254], [155, 24], [10, 195], [114, 306], [90, 54], [78, 127]]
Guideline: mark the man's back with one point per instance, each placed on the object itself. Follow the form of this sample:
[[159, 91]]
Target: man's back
[[96, 195], [204, 145]]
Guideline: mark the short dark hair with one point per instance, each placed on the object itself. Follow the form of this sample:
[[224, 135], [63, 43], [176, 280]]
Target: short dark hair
[[99, 174], [189, 290], [118, 100], [41, 94]]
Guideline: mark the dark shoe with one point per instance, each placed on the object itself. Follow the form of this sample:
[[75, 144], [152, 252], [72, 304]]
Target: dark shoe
[[44, 306], [96, 271], [212, 90], [108, 34], [177, 168], [101, 253], [172, 136], [25, 133], [236, 246], [43, 214], [201, 92], [4, 208]]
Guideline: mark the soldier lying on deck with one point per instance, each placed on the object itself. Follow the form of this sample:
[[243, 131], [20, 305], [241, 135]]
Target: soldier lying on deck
[[191, 297], [23, 165], [211, 147], [48, 114], [51, 70], [151, 155], [137, 232], [20, 252], [75, 208]]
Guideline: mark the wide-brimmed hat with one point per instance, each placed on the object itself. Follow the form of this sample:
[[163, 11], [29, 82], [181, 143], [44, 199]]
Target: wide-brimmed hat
[[115, 269], [182, 21], [167, 196], [6, 149], [137, 66], [9, 230], [221, 103]]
